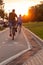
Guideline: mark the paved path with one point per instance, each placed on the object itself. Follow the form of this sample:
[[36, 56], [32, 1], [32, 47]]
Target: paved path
[[9, 47], [37, 59], [24, 58], [31, 57]]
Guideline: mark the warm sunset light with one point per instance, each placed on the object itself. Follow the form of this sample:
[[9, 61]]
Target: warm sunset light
[[21, 7], [21, 32]]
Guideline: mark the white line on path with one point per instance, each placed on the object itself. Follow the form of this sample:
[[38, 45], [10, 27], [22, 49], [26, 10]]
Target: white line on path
[[36, 38], [12, 58], [17, 55], [28, 43]]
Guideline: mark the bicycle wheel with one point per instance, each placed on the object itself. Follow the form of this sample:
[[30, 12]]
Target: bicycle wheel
[[13, 33]]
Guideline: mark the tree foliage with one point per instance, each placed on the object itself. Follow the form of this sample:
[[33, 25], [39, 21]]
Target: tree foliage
[[36, 13], [2, 13], [1, 2]]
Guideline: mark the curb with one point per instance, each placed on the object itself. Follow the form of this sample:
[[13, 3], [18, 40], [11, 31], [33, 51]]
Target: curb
[[28, 43], [35, 37]]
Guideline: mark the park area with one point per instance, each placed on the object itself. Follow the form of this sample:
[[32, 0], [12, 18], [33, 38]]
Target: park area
[[35, 27]]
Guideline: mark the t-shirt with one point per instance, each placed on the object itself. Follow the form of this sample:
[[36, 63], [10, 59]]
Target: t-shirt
[[19, 19], [12, 16]]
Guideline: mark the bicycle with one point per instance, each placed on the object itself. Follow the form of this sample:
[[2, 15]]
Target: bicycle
[[13, 31]]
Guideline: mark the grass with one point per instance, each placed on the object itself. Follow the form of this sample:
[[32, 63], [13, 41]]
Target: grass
[[35, 27]]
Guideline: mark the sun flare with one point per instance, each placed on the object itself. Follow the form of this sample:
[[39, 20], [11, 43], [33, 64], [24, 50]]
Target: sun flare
[[20, 7]]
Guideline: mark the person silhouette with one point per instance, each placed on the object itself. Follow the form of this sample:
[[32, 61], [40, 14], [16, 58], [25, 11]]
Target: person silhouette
[[12, 21], [19, 24]]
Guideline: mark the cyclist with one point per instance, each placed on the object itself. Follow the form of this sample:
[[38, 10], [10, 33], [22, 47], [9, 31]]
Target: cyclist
[[12, 21], [19, 22]]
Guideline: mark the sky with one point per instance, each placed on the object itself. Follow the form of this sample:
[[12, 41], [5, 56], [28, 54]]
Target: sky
[[21, 6], [21, 0]]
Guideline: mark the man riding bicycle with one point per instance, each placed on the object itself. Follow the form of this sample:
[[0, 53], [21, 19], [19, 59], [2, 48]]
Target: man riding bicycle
[[19, 22], [12, 20]]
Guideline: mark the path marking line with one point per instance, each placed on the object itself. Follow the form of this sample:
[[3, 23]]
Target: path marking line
[[28, 43], [13, 57], [17, 55], [36, 38]]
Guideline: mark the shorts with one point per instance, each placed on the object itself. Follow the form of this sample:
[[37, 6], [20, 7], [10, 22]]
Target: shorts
[[11, 24], [19, 24]]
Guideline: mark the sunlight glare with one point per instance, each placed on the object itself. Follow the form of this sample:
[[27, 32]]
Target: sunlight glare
[[20, 7]]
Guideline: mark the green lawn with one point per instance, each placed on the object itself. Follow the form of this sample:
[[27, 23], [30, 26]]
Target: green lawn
[[36, 27]]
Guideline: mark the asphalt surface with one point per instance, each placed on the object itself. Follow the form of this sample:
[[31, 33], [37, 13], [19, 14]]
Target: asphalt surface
[[9, 47], [25, 57]]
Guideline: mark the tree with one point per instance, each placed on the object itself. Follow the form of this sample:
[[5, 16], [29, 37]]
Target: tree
[[31, 13], [39, 12], [1, 2], [2, 13], [1, 9], [36, 13]]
